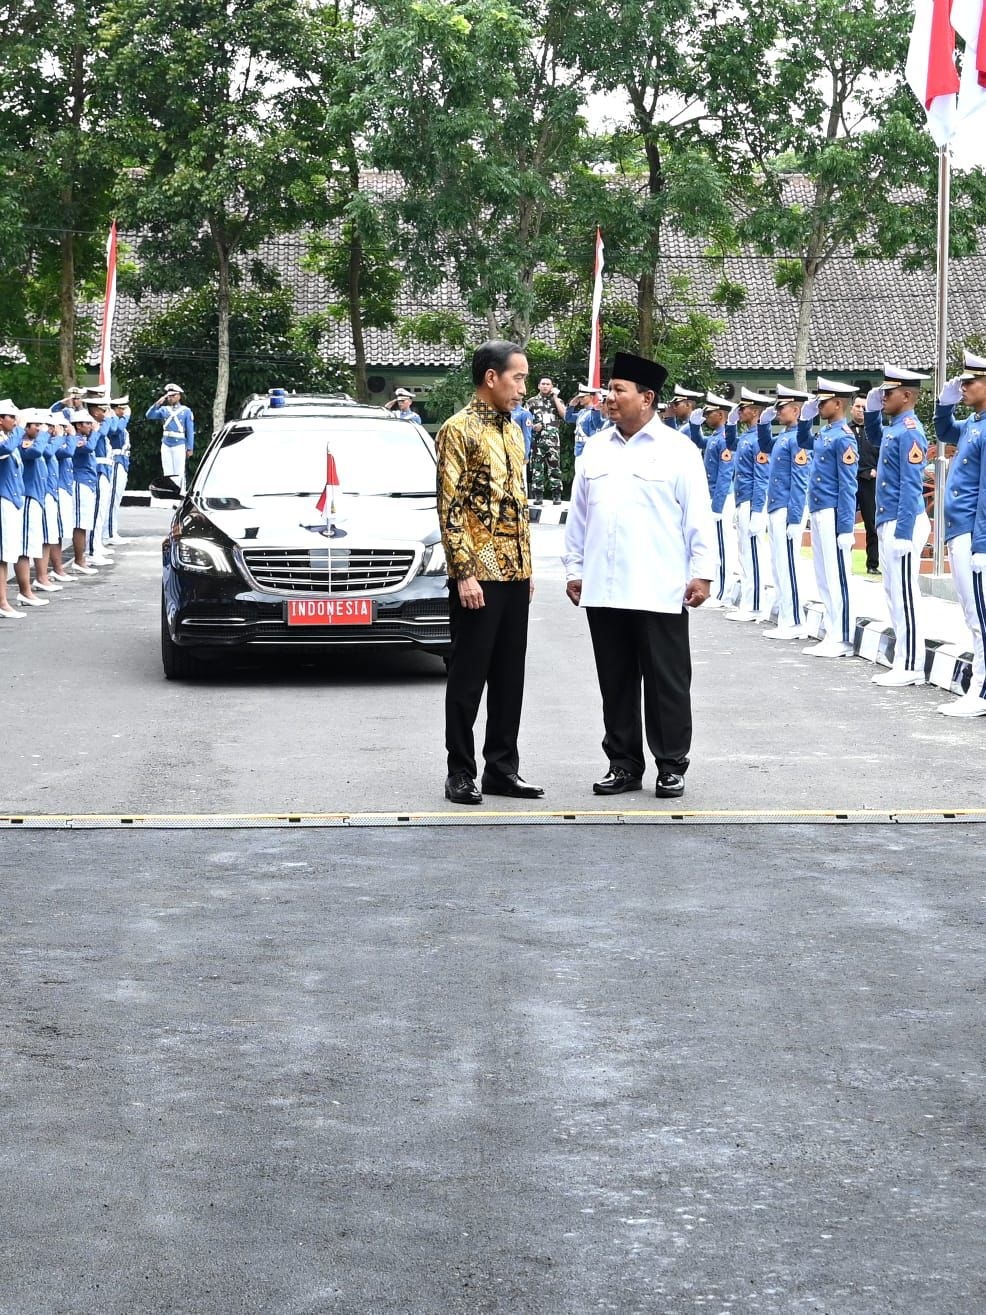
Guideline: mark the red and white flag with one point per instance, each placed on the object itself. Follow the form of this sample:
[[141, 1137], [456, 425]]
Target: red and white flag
[[930, 68], [327, 502], [969, 20], [109, 310], [595, 339]]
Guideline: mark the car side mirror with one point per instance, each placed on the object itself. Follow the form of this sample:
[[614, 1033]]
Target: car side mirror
[[164, 487]]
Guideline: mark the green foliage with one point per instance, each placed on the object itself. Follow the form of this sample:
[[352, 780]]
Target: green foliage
[[435, 327], [270, 348]]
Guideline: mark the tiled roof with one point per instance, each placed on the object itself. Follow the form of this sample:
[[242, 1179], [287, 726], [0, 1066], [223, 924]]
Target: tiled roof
[[864, 312]]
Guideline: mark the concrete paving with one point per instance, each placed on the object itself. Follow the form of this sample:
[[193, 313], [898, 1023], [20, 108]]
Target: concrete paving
[[713, 1069]]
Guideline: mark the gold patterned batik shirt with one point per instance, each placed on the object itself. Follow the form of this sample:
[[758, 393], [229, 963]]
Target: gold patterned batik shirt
[[482, 502]]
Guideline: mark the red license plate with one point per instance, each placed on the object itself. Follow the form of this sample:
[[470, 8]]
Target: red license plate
[[330, 612]]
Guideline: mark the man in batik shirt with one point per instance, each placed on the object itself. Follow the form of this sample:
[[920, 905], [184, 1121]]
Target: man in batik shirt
[[482, 509]]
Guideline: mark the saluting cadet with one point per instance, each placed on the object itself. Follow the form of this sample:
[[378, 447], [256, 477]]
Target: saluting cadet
[[401, 399], [54, 525], [178, 434], [750, 494], [48, 440], [11, 507], [678, 413], [66, 405], [902, 524], [718, 461], [99, 410], [787, 506], [965, 517], [638, 555], [85, 480], [832, 503], [120, 445], [66, 494], [33, 448]]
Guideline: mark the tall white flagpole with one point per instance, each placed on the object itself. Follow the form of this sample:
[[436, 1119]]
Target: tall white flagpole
[[941, 350]]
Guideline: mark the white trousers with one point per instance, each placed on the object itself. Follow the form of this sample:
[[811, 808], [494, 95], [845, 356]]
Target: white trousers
[[98, 535], [66, 513], [722, 586], [832, 577], [754, 562], [53, 520], [900, 584], [85, 507], [173, 462], [786, 556], [969, 586], [119, 485], [34, 529]]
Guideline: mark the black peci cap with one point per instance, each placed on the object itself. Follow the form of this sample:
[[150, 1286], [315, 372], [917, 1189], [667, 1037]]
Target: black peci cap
[[638, 370]]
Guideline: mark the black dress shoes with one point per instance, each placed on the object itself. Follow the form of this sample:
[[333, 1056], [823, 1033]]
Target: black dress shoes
[[669, 785], [461, 789], [511, 785], [617, 781]]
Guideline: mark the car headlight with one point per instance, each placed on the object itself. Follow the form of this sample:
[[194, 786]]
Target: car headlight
[[433, 561], [200, 555]]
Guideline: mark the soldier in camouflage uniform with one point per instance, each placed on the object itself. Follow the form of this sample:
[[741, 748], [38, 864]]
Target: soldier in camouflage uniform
[[545, 461]]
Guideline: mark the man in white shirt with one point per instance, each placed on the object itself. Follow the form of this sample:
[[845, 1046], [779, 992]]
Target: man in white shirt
[[639, 551]]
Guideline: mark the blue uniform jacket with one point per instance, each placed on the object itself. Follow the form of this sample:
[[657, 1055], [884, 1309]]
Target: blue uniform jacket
[[834, 471], [11, 467], [723, 473], [710, 457], [697, 434], [35, 467], [747, 450], [523, 418], [179, 425], [120, 441], [965, 487], [102, 450], [66, 468], [84, 460], [51, 461], [900, 469], [787, 472]]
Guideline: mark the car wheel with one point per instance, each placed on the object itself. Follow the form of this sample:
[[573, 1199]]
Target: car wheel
[[178, 663]]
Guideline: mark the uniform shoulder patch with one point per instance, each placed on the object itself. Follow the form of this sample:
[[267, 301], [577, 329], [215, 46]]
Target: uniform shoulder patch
[[801, 457], [849, 457], [910, 422], [916, 454], [762, 458], [726, 455]]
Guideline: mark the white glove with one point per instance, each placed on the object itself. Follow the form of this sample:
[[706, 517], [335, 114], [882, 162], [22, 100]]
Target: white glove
[[901, 547], [979, 561], [733, 416], [845, 540], [697, 416], [951, 393], [758, 523], [794, 533], [769, 416], [717, 515], [874, 400], [810, 409]]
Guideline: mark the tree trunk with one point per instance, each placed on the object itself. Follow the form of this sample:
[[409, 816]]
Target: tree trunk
[[645, 313], [355, 297], [66, 301], [222, 336], [806, 297]]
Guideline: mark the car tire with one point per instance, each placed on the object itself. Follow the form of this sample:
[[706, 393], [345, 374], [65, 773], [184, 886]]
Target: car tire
[[178, 662]]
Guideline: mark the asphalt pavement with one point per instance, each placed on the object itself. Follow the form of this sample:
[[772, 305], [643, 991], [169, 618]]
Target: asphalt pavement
[[468, 1071], [91, 726]]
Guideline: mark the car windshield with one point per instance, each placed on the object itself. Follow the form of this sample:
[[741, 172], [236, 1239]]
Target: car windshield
[[287, 457]]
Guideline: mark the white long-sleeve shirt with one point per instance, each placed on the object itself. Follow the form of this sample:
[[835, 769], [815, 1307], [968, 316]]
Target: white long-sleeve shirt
[[640, 521]]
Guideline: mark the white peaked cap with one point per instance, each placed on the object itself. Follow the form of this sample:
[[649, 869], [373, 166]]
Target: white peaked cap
[[973, 367], [80, 417], [785, 394], [8, 408], [685, 394], [713, 402], [894, 377], [827, 388], [756, 399]]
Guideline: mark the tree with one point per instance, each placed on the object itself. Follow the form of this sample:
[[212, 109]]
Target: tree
[[55, 173], [826, 145], [271, 343], [202, 102]]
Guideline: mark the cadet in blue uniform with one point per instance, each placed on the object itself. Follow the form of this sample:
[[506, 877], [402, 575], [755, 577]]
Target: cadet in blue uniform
[[98, 407], [402, 400], [585, 413], [787, 506], [750, 492], [11, 506], [34, 444], [51, 543], [120, 446], [55, 526], [85, 477], [965, 517], [66, 493], [679, 410], [718, 461], [178, 434], [902, 525], [832, 503]]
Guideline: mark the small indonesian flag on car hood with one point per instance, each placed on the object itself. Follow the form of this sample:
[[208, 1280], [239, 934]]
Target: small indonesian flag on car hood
[[326, 503]]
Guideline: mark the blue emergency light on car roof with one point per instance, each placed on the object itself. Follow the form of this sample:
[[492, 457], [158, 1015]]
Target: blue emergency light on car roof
[[277, 396]]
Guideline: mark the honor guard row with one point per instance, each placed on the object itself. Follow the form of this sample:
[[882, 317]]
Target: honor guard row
[[63, 472]]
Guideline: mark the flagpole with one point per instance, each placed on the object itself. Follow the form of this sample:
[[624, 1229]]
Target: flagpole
[[941, 356]]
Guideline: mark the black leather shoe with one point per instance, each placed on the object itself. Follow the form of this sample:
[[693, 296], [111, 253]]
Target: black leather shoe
[[461, 789], [511, 785], [669, 785], [617, 781]]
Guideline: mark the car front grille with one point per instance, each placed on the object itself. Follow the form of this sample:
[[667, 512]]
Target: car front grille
[[328, 570]]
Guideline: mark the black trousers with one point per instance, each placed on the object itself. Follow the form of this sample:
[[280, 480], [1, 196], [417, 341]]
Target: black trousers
[[649, 648], [866, 502], [489, 648]]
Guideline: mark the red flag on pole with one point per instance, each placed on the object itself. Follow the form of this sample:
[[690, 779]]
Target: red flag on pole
[[595, 339], [109, 310], [930, 69], [327, 502]]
